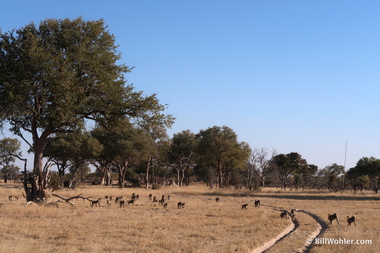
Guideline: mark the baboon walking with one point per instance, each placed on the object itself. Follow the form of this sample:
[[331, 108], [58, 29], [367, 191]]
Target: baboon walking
[[217, 200], [350, 220], [122, 203], [244, 206], [332, 217], [118, 199], [132, 201], [95, 202], [180, 205], [257, 203], [292, 214], [284, 214]]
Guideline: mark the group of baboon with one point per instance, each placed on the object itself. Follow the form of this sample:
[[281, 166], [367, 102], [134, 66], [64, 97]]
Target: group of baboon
[[245, 206], [286, 214], [132, 201], [164, 198], [292, 214], [332, 217]]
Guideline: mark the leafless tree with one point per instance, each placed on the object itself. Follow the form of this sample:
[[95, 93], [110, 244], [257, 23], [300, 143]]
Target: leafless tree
[[259, 163]]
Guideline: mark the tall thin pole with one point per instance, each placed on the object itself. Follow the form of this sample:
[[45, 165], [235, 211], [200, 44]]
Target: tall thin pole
[[345, 156]]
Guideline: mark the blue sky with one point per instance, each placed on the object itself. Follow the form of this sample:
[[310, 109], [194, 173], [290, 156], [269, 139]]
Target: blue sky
[[294, 76]]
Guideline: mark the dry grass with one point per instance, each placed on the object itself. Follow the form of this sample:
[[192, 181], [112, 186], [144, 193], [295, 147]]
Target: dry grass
[[202, 226]]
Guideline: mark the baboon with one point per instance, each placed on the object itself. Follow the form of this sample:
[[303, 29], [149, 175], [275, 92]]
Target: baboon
[[244, 206], [13, 198], [150, 196], [118, 199], [122, 203], [95, 202], [110, 198], [137, 196], [292, 214], [257, 203], [132, 201], [154, 199], [168, 197], [332, 217], [180, 205], [284, 214], [161, 201], [217, 200], [166, 205], [133, 196], [163, 197], [350, 220], [106, 197], [109, 202]]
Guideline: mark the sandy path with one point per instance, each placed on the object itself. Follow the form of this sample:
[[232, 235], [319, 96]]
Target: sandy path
[[289, 229], [321, 228]]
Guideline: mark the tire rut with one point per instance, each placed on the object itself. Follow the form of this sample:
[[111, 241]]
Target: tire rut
[[287, 232]]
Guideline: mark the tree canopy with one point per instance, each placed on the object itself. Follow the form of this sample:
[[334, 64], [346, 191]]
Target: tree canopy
[[220, 151], [56, 75]]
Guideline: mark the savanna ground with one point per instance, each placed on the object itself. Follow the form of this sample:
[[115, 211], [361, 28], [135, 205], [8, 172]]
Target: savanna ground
[[201, 226]]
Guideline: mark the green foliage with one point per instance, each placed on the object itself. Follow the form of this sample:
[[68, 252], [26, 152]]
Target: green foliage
[[9, 150], [56, 75], [288, 164], [219, 150], [182, 154], [124, 145], [366, 166]]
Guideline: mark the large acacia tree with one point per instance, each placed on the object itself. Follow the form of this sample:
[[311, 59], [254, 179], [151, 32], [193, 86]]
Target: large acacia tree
[[72, 151], [219, 150], [123, 145], [182, 153], [287, 164], [55, 75]]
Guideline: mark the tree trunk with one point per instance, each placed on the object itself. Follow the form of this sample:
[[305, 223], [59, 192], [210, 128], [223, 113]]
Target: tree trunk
[[122, 170], [108, 176], [178, 176], [102, 180], [220, 177], [182, 175], [147, 175], [37, 192]]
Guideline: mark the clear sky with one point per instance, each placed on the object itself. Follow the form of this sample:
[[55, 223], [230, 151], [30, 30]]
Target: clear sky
[[294, 76]]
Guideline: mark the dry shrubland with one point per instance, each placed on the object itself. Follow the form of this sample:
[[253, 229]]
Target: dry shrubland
[[201, 226]]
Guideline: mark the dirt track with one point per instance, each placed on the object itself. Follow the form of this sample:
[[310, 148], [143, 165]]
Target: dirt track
[[295, 231]]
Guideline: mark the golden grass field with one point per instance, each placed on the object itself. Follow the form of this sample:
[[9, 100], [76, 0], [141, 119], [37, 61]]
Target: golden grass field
[[201, 226]]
